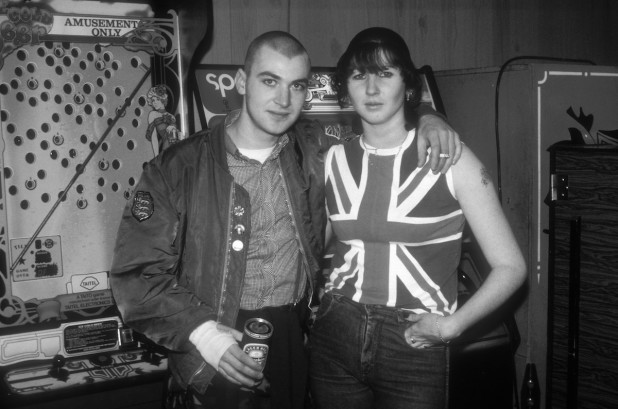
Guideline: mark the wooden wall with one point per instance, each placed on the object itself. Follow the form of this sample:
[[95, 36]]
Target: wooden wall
[[446, 34]]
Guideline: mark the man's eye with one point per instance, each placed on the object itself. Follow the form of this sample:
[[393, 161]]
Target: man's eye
[[269, 81], [299, 87]]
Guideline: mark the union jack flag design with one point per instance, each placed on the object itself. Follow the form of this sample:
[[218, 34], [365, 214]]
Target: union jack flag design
[[398, 229]]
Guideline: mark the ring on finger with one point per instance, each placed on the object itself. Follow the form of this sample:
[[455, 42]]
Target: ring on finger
[[445, 155]]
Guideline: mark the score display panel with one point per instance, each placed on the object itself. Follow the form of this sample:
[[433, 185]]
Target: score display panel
[[78, 104]]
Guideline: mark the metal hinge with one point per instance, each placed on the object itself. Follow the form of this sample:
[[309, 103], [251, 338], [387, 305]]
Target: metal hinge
[[559, 187]]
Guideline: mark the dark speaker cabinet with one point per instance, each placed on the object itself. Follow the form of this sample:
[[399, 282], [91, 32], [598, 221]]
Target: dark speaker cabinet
[[583, 265], [482, 365]]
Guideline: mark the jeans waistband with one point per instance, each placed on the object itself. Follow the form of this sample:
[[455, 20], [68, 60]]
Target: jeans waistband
[[283, 308], [401, 314]]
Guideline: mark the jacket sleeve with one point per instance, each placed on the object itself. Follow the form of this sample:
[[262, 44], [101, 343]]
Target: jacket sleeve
[[146, 278], [426, 109]]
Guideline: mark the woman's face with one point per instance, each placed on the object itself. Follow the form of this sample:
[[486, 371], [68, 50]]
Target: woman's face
[[156, 103], [378, 98]]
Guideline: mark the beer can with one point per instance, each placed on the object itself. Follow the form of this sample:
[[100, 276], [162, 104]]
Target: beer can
[[256, 339]]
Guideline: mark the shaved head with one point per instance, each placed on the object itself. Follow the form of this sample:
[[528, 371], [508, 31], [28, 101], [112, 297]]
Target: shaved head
[[280, 41]]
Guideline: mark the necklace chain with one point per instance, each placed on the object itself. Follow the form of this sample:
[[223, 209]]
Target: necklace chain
[[362, 141]]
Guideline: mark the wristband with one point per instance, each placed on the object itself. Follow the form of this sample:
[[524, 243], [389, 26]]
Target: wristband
[[211, 342]]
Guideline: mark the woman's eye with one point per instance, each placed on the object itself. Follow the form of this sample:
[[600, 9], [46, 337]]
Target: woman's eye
[[385, 74]]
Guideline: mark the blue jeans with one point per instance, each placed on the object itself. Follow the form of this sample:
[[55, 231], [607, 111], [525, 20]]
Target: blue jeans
[[360, 359]]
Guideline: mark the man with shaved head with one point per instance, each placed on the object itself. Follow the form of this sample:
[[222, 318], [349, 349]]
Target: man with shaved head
[[279, 41], [228, 225]]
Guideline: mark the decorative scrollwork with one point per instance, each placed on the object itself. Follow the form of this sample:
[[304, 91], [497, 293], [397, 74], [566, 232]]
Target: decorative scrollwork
[[152, 36]]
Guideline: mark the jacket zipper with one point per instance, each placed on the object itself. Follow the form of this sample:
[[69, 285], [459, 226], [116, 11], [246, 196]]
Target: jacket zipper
[[225, 269], [298, 239], [227, 251], [197, 372]]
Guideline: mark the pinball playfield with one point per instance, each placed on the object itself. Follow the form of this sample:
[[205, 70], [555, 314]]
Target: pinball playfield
[[81, 101]]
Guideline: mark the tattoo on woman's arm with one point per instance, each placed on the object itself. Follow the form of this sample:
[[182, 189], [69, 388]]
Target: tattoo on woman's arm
[[485, 176]]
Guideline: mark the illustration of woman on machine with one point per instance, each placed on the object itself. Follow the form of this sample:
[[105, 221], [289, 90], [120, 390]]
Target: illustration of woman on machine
[[162, 131]]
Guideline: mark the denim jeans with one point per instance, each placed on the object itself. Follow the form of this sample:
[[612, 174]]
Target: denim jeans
[[360, 359]]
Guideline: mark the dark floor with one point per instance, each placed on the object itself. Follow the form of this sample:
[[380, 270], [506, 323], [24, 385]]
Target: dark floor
[[141, 396]]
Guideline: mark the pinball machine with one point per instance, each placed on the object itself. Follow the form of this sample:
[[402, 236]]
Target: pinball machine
[[81, 98]]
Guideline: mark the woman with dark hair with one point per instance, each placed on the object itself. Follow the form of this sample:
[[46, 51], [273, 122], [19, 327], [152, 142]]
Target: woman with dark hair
[[390, 304], [387, 48]]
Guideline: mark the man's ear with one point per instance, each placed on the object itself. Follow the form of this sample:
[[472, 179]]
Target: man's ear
[[241, 81]]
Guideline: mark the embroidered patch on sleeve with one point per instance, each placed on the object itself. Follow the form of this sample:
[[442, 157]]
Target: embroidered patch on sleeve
[[143, 206]]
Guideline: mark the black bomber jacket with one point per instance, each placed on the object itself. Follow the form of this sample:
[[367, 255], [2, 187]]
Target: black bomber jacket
[[174, 263]]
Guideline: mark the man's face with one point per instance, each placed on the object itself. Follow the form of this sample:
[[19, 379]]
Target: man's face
[[274, 90]]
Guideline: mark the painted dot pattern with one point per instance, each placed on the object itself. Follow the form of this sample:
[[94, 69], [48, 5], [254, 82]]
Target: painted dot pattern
[[84, 86]]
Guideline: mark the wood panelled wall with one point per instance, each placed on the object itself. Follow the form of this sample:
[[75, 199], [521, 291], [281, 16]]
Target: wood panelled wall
[[446, 34]]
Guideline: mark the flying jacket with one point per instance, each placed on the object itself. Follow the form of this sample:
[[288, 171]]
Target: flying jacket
[[180, 253]]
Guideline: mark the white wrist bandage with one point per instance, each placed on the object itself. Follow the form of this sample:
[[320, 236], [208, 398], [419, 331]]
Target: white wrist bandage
[[211, 342]]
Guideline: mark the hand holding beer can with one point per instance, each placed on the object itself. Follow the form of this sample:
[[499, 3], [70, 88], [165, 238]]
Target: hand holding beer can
[[256, 339]]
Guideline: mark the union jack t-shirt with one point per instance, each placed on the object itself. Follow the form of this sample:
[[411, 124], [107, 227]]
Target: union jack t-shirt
[[398, 228]]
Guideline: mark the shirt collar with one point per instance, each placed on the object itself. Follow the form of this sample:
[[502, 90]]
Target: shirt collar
[[231, 147]]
